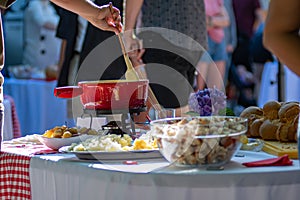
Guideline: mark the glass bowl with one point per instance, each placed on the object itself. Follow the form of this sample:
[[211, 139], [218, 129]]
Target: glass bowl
[[199, 141]]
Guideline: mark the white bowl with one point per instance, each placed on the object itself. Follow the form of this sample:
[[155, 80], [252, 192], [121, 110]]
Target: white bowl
[[56, 143]]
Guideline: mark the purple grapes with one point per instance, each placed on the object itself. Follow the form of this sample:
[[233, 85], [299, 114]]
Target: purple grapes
[[207, 102]]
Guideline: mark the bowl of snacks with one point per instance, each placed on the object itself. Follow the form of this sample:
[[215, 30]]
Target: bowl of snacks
[[60, 136], [199, 141]]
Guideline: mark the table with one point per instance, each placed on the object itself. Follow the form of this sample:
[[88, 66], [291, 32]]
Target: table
[[63, 176], [66, 178], [38, 109]]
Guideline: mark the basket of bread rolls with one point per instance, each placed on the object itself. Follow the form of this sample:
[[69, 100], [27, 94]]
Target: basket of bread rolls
[[275, 121]]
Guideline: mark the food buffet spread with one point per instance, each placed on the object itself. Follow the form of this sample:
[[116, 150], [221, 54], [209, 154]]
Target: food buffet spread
[[232, 149], [184, 154]]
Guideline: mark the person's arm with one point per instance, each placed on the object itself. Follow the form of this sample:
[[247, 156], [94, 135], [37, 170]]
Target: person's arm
[[99, 16], [281, 33], [221, 20], [132, 9]]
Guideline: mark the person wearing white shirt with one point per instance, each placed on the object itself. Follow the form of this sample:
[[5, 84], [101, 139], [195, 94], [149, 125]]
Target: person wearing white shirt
[[42, 47]]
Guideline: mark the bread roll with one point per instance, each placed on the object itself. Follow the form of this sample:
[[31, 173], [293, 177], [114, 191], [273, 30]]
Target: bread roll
[[251, 110], [282, 132], [268, 130], [292, 134], [295, 122], [288, 112], [254, 128], [270, 110], [251, 113]]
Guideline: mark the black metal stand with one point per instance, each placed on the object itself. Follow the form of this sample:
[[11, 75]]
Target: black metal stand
[[124, 116]]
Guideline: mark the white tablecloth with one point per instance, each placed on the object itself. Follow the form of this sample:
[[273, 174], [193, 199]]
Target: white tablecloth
[[38, 109], [64, 177], [8, 132]]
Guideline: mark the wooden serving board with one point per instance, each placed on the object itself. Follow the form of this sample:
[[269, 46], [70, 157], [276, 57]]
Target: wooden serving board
[[281, 148]]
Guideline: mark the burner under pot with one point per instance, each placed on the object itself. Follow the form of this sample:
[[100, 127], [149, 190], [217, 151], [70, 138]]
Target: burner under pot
[[115, 127]]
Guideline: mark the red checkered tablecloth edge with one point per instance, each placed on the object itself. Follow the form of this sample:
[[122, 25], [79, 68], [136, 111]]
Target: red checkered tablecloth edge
[[14, 177]]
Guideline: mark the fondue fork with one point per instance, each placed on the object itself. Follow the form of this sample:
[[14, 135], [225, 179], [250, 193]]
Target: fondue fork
[[131, 73]]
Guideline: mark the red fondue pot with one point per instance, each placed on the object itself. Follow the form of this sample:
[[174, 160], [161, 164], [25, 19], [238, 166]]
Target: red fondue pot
[[108, 94]]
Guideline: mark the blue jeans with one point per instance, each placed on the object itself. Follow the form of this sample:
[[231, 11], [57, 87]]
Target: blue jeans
[[217, 51]]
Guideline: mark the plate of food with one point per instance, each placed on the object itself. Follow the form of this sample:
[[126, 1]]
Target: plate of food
[[252, 144], [60, 136], [114, 147], [114, 155]]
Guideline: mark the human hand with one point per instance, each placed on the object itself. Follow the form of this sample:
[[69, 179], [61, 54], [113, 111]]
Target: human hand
[[229, 48], [109, 19], [134, 47]]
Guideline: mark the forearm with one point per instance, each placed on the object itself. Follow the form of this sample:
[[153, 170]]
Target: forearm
[[132, 10], [286, 47], [105, 17], [221, 20], [84, 8], [281, 33]]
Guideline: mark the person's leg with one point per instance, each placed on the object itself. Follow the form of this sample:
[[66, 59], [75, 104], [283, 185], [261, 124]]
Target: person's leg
[[216, 74], [203, 66], [216, 70], [202, 69]]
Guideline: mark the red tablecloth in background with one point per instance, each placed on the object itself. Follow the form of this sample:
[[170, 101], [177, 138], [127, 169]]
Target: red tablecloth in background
[[15, 119], [14, 169], [14, 176]]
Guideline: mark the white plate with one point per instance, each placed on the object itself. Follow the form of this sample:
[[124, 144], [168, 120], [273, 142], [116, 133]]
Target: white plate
[[56, 143], [114, 155]]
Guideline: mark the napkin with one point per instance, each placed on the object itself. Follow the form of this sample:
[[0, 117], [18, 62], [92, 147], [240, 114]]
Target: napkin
[[279, 161], [45, 151]]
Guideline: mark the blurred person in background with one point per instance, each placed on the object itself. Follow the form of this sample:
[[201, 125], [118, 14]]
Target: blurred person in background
[[169, 64], [71, 30], [100, 16], [231, 42], [216, 20], [41, 46], [230, 36], [248, 17], [260, 54], [281, 33]]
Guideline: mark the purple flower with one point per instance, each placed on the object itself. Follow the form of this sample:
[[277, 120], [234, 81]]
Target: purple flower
[[207, 102]]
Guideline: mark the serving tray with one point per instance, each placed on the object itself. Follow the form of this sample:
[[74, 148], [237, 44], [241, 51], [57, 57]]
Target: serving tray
[[113, 155], [281, 148]]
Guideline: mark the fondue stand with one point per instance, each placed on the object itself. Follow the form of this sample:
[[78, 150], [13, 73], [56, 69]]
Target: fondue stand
[[114, 126]]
